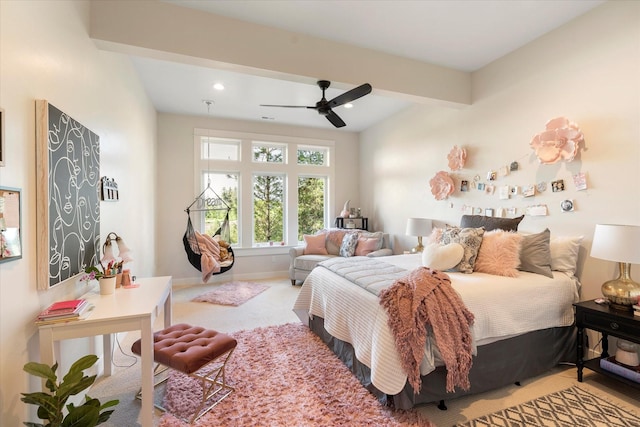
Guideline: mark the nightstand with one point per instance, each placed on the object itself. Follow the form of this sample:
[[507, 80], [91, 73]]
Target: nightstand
[[607, 321]]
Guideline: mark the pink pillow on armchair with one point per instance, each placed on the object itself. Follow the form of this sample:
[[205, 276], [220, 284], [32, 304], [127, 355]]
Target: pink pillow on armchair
[[315, 245], [366, 245]]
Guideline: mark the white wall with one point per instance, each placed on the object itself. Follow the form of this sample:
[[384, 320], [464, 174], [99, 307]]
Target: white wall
[[45, 53], [587, 71], [176, 192]]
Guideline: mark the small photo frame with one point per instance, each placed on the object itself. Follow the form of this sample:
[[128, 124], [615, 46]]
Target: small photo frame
[[488, 212], [514, 166], [464, 185], [567, 205], [580, 181], [557, 186], [529, 190], [480, 186], [492, 175]]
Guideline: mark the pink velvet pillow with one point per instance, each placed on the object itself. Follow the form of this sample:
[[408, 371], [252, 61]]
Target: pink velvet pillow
[[499, 253], [366, 245], [315, 245]]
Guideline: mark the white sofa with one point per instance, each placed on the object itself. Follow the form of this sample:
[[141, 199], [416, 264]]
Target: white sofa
[[301, 264]]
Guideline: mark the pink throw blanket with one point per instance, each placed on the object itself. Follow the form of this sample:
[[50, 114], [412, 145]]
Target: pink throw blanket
[[425, 297], [210, 255]]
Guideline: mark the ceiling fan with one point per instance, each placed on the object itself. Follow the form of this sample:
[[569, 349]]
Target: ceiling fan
[[324, 107]]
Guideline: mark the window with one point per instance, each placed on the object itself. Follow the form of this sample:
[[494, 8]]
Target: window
[[269, 153], [220, 199], [220, 148], [268, 208], [278, 187], [311, 203]]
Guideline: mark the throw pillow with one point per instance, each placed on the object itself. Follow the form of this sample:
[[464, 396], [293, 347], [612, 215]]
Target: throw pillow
[[490, 223], [334, 240], [564, 253], [535, 254], [315, 245], [349, 242], [442, 257], [368, 242], [470, 239], [499, 253]]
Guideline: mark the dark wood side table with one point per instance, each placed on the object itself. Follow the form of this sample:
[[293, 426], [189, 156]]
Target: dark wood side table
[[607, 321]]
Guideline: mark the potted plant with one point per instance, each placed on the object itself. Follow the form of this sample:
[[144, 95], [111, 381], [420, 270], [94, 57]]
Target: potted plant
[[51, 404]]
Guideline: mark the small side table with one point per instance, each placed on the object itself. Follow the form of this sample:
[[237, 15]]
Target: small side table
[[602, 318], [359, 223]]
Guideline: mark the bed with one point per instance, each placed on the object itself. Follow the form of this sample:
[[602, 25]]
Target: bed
[[523, 325]]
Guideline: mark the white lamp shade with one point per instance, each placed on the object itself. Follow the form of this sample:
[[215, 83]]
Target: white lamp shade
[[618, 243], [418, 227]]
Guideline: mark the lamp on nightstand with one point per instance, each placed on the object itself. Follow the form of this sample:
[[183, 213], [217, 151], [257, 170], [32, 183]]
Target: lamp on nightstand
[[418, 227], [621, 244]]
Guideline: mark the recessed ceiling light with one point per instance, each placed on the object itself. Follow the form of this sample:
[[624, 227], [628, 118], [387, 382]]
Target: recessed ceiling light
[[348, 105], [218, 86]]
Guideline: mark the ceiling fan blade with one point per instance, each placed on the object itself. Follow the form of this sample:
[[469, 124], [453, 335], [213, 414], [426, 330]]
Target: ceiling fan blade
[[351, 95], [335, 119], [288, 106]]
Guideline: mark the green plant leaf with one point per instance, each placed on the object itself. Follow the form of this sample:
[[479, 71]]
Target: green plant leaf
[[81, 416], [41, 370]]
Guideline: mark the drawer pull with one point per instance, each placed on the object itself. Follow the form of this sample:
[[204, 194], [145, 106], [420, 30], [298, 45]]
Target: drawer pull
[[614, 325]]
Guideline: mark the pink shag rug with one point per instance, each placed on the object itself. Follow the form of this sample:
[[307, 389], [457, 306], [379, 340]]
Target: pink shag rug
[[232, 293], [285, 376]]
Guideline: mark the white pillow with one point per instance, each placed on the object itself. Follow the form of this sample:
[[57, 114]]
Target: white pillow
[[564, 253], [442, 257]]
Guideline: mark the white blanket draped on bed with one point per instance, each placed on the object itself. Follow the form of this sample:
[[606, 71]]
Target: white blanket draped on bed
[[503, 307]]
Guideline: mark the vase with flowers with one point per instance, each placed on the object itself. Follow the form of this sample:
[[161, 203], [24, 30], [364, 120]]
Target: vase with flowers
[[106, 276]]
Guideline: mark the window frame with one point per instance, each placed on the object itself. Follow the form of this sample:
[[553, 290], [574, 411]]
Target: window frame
[[245, 168]]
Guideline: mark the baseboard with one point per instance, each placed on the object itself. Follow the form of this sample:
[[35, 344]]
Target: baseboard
[[229, 277]]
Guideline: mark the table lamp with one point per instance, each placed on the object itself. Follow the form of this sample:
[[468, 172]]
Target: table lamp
[[621, 244], [418, 227]]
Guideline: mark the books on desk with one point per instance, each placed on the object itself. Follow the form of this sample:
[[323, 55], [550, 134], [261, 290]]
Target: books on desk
[[629, 372], [64, 311]]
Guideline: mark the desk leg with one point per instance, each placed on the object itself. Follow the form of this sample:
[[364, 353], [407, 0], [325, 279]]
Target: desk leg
[[167, 311], [147, 373], [107, 346]]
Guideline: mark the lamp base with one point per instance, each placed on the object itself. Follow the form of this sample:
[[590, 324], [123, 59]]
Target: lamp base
[[418, 249], [622, 292]]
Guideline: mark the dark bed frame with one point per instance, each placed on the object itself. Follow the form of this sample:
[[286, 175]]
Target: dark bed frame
[[496, 365]]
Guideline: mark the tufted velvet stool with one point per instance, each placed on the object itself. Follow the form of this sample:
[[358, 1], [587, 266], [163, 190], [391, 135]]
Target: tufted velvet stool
[[198, 352]]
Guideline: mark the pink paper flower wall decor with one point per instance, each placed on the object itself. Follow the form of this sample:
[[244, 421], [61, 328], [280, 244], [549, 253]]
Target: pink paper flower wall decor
[[560, 141], [441, 185], [457, 158]]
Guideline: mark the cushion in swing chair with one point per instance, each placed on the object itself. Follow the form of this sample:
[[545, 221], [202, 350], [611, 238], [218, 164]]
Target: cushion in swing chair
[[210, 255]]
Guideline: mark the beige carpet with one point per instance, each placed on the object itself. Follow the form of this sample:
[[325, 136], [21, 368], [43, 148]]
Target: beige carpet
[[273, 307]]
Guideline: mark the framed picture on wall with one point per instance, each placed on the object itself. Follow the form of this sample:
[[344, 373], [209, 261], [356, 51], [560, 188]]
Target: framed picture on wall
[[2, 155], [67, 196]]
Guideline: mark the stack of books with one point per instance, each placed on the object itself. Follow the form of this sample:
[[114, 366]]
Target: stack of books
[[629, 372], [64, 311]]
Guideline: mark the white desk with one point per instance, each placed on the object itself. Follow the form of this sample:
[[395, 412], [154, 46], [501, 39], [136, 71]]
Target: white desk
[[125, 310]]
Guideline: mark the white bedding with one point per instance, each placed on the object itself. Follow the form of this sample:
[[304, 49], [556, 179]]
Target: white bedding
[[503, 307]]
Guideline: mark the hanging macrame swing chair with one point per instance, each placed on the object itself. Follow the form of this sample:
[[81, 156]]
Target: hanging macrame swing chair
[[191, 245]]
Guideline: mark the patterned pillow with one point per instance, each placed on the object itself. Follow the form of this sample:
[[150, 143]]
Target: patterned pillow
[[349, 242], [470, 239]]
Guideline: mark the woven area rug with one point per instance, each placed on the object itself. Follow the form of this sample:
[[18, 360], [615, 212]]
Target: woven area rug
[[285, 376], [567, 408], [232, 293]]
